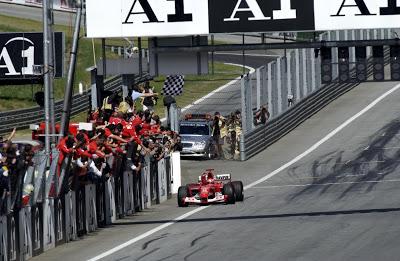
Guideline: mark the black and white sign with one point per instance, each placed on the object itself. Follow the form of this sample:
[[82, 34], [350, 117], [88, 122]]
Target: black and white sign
[[127, 18], [356, 14], [229, 16], [20, 52]]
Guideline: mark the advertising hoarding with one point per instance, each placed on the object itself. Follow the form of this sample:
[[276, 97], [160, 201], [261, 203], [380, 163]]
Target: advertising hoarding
[[19, 52], [128, 18], [352, 14], [153, 18]]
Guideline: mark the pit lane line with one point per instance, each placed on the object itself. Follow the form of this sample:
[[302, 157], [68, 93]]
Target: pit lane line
[[254, 184]]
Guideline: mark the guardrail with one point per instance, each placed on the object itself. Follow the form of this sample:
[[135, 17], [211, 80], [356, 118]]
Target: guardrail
[[23, 118], [262, 137], [63, 207]]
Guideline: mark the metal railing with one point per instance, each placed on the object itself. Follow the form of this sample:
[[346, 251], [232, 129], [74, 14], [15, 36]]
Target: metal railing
[[23, 118], [291, 89], [67, 205]]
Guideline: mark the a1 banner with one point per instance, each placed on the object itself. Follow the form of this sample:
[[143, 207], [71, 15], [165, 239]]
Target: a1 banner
[[25, 233], [48, 225], [59, 218], [3, 238], [20, 52], [157, 18], [37, 228], [71, 229], [100, 204], [80, 211], [127, 18], [162, 181], [232, 16], [356, 14], [90, 208], [12, 233]]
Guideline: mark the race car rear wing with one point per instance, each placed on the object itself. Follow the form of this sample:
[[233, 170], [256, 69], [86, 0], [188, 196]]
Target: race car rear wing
[[220, 177], [223, 177]]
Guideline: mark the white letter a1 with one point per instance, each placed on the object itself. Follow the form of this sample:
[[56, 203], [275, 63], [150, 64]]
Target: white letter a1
[[286, 12], [8, 63], [253, 8]]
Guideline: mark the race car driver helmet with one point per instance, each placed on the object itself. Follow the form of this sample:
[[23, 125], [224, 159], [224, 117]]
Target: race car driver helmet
[[210, 177], [204, 179]]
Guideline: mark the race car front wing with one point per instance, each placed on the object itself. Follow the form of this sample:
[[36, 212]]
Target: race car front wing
[[216, 199]]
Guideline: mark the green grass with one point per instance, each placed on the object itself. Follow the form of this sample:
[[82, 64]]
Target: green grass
[[198, 86], [20, 96]]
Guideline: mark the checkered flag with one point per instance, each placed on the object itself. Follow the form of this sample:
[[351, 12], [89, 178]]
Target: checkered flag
[[173, 85]]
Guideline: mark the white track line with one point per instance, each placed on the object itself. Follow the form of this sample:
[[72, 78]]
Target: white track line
[[329, 184], [270, 175]]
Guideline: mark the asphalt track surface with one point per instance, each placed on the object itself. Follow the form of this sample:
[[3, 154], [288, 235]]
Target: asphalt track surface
[[338, 201]]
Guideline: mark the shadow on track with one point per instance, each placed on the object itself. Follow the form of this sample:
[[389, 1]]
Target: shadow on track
[[368, 163]]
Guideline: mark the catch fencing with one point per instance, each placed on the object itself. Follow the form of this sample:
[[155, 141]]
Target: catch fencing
[[290, 87], [65, 206]]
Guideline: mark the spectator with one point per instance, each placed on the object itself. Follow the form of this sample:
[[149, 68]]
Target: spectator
[[177, 144], [148, 102], [262, 116], [138, 92], [218, 133]]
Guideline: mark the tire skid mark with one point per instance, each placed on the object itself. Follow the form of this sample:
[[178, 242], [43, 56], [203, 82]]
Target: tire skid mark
[[145, 245], [148, 253], [194, 252], [201, 237], [165, 258]]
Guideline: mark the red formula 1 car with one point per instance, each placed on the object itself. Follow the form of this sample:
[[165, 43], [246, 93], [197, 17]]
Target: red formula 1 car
[[211, 189]]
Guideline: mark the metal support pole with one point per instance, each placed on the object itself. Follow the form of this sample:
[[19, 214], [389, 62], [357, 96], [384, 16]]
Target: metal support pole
[[284, 42], [279, 84], [140, 57], [244, 85], [289, 75], [103, 48], [258, 95], [71, 72], [304, 74], [212, 55], [297, 57], [243, 55], [269, 86], [313, 74], [47, 76], [52, 63], [197, 38]]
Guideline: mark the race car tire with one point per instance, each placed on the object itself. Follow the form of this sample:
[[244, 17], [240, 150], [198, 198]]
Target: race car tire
[[182, 193], [230, 192], [238, 188]]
